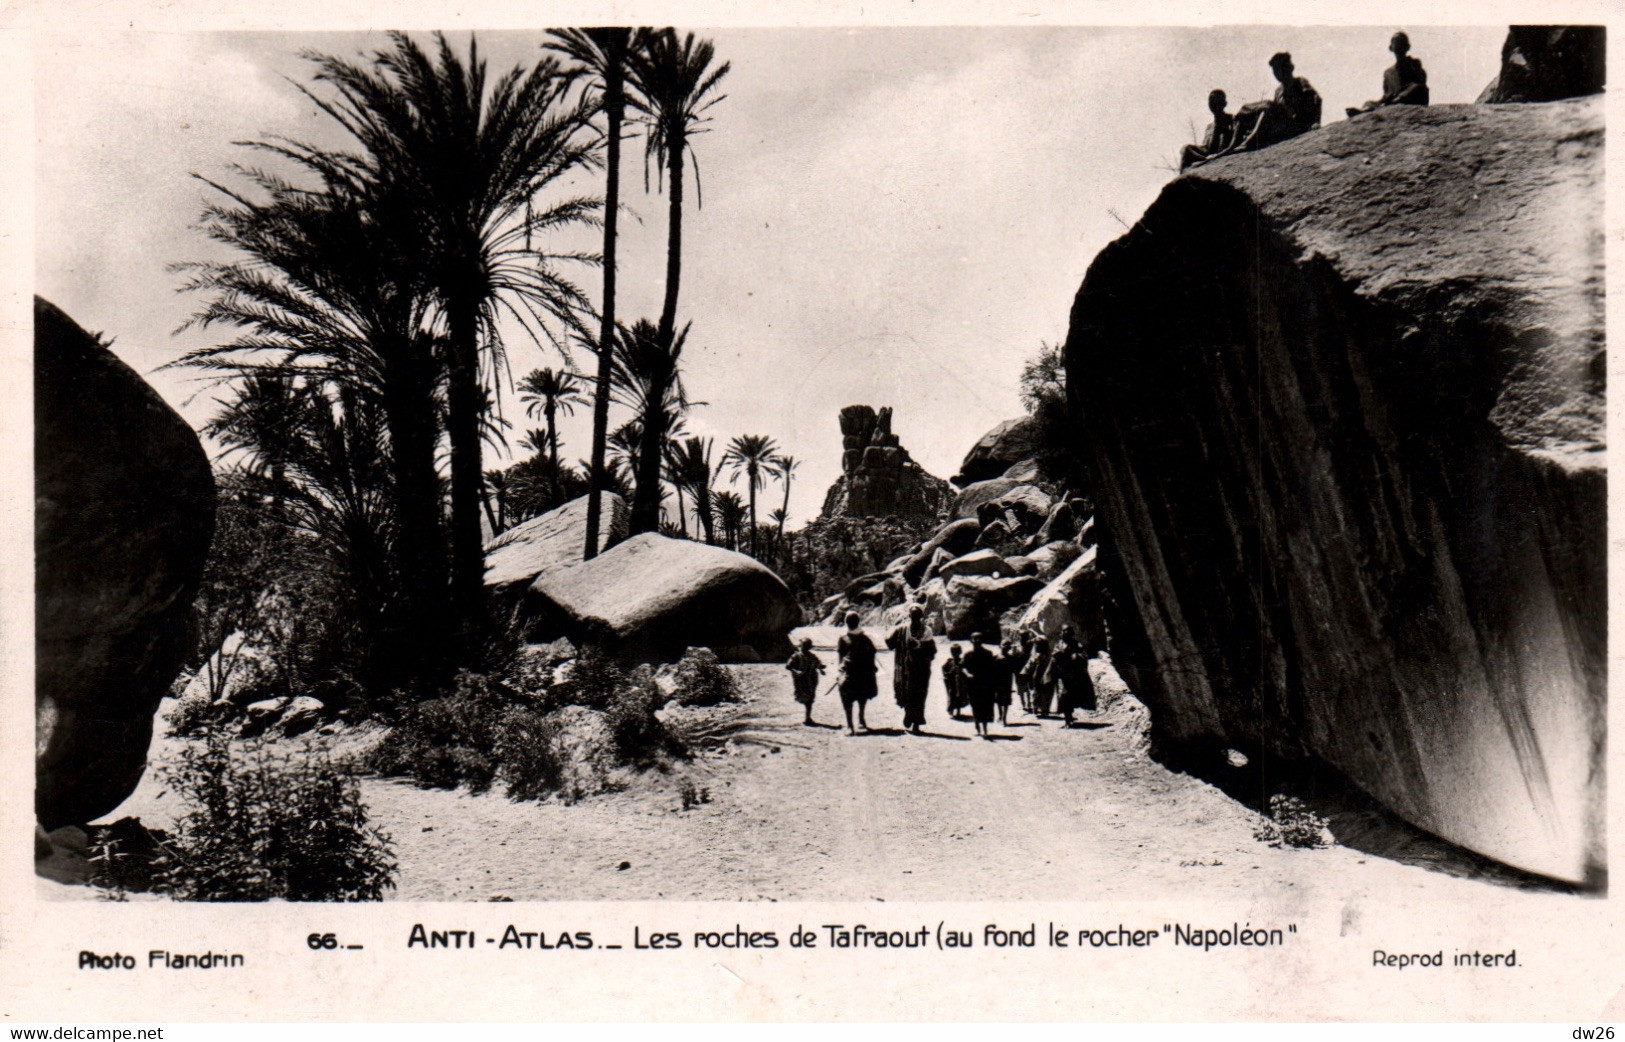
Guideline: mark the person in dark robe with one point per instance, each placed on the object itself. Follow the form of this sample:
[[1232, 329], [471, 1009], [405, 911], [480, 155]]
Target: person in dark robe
[[1009, 650], [1018, 669], [1294, 110], [953, 678], [805, 667], [981, 675], [1403, 83], [856, 677], [1220, 133], [1076, 688], [1039, 681], [911, 676]]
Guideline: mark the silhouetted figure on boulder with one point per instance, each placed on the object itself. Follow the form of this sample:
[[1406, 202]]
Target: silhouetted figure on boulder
[[856, 677], [1220, 134], [1294, 110], [911, 677], [1404, 83]]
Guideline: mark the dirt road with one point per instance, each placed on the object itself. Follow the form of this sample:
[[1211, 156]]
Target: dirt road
[[1040, 812]]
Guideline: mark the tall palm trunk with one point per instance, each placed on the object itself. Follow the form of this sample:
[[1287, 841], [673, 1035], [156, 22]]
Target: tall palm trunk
[[702, 507], [752, 481], [463, 404], [615, 45], [551, 409], [415, 655], [646, 505], [682, 512]]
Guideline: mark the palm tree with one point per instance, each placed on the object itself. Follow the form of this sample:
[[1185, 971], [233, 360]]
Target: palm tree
[[472, 161], [783, 467], [693, 459], [675, 87], [671, 467], [323, 290], [645, 377], [550, 391], [602, 53], [751, 454], [730, 514]]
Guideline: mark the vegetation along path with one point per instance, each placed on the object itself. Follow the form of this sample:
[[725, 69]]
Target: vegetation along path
[[809, 813]]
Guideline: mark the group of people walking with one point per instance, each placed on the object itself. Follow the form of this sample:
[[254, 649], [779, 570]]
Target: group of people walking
[[979, 678]]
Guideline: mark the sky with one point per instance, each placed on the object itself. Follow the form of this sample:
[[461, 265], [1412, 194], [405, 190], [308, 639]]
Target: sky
[[891, 215]]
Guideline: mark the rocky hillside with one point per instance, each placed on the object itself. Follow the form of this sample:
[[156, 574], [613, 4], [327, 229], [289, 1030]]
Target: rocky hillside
[[1342, 404]]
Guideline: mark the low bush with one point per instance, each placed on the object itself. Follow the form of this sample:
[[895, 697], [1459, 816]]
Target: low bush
[[263, 822], [1293, 823], [528, 749], [447, 741], [702, 681]]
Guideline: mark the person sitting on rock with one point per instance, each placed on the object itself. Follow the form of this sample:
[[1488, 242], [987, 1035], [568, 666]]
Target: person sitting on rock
[[953, 678], [804, 667], [1220, 134], [1294, 110], [856, 677], [1404, 83]]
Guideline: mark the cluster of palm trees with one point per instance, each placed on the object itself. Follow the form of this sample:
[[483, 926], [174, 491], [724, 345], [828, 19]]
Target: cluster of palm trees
[[369, 288]]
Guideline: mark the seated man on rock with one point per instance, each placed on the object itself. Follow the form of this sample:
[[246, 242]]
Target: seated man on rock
[[1294, 110], [1220, 134], [1404, 83]]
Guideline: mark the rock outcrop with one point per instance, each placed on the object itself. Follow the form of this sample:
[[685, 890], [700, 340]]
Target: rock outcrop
[[124, 512], [1341, 402], [1549, 63], [1010, 443], [878, 478], [650, 598], [556, 539]]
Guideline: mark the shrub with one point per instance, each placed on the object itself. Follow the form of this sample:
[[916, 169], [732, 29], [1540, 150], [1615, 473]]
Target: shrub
[[1292, 823], [640, 737], [262, 823], [192, 717], [702, 681], [595, 681], [448, 741], [527, 746]]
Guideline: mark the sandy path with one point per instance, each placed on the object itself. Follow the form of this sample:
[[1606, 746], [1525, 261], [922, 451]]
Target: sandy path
[[1041, 813]]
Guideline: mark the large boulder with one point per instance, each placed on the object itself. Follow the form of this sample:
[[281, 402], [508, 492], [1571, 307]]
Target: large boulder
[[975, 602], [956, 537], [650, 598], [1549, 63], [1071, 602], [1005, 445], [973, 497], [977, 562], [556, 539], [123, 516], [1342, 405]]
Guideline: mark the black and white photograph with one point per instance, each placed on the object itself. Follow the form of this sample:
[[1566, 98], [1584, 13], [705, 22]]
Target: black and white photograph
[[1145, 480]]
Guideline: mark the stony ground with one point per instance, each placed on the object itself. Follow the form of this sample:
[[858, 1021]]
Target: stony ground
[[780, 811]]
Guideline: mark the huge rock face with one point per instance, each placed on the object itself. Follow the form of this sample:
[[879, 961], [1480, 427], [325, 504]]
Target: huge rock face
[[1342, 402], [650, 598], [124, 511], [878, 478]]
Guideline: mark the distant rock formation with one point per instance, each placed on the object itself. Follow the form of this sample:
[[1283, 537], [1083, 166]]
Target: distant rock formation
[[1549, 63], [123, 516], [1343, 409], [878, 479]]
